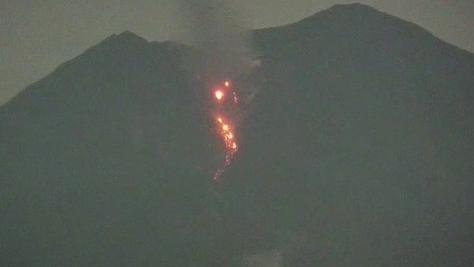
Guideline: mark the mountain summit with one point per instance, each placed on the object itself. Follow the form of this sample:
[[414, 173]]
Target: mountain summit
[[359, 143], [357, 150]]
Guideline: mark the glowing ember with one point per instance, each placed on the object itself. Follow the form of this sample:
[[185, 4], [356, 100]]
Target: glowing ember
[[225, 127], [219, 94]]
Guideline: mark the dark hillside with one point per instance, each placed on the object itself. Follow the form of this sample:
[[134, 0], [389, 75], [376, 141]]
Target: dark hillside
[[357, 151], [361, 142]]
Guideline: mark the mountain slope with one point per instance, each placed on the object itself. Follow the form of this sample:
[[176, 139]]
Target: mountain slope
[[359, 146], [107, 161], [357, 151]]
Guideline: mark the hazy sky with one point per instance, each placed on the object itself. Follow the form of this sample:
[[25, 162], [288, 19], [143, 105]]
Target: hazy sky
[[36, 36]]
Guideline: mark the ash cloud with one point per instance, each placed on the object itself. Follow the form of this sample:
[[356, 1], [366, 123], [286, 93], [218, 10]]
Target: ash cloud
[[217, 29]]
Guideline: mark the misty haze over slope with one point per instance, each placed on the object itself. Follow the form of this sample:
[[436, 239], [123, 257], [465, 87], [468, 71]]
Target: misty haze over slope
[[357, 151]]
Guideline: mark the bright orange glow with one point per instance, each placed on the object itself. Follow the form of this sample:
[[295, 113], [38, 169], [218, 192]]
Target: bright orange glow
[[225, 125], [219, 94]]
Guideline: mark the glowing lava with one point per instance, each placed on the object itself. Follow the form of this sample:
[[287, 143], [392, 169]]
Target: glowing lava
[[227, 136], [225, 126], [219, 95]]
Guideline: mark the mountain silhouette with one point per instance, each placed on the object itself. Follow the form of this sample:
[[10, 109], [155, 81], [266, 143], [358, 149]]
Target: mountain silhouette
[[357, 150], [106, 161]]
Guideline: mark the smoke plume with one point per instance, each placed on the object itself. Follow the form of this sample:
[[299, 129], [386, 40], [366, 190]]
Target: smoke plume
[[217, 29]]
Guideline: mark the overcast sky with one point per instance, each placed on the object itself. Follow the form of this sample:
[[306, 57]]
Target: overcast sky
[[36, 36]]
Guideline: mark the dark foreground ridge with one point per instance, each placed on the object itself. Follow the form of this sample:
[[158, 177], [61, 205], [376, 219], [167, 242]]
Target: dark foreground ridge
[[357, 151]]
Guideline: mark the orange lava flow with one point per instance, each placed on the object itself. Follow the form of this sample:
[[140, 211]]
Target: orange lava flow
[[227, 135], [225, 127]]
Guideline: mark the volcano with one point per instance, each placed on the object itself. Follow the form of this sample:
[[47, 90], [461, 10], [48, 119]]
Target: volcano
[[356, 150]]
